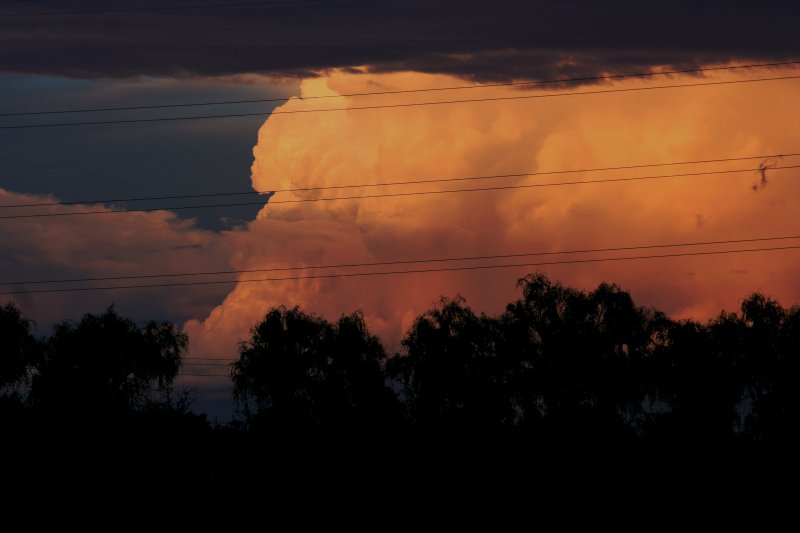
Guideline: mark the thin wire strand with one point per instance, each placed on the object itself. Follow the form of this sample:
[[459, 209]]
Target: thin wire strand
[[399, 183], [400, 194], [404, 91], [399, 105], [403, 272], [413, 261]]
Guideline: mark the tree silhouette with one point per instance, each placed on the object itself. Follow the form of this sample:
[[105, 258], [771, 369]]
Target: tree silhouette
[[580, 356], [105, 363], [300, 371], [19, 351], [450, 371], [18, 348], [770, 362], [725, 379], [780, 411], [561, 377]]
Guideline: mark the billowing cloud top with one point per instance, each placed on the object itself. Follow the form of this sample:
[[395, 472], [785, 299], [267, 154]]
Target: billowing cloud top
[[483, 40], [305, 151]]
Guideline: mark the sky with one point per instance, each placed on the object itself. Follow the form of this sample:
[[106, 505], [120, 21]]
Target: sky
[[87, 56]]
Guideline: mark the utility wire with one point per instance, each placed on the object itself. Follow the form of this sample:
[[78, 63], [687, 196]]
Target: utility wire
[[404, 91], [410, 261], [399, 194], [397, 183], [158, 8], [399, 272], [399, 105]]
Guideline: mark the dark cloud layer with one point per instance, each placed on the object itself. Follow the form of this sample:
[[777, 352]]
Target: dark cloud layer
[[470, 38]]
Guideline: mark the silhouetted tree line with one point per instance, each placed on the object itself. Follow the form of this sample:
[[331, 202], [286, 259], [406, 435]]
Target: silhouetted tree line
[[559, 368], [92, 399], [558, 362], [102, 366]]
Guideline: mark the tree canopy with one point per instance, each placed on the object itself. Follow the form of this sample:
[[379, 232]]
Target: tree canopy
[[18, 348], [557, 361], [298, 370], [106, 363], [558, 365]]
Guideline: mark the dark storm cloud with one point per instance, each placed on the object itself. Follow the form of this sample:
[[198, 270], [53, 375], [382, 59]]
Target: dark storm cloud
[[473, 39]]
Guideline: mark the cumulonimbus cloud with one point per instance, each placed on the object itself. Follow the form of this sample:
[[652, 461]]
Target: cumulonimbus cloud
[[308, 150]]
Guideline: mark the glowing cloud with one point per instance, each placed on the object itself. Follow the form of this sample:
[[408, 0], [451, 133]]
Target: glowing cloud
[[335, 148]]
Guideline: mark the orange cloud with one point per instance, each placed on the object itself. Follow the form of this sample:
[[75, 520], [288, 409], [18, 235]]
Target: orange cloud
[[452, 141], [120, 244]]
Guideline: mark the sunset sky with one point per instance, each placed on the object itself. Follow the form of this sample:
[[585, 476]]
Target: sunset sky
[[90, 55]]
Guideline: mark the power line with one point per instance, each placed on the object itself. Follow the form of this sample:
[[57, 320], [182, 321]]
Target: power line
[[397, 183], [399, 105], [411, 261], [158, 8], [403, 91], [398, 194], [400, 272]]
